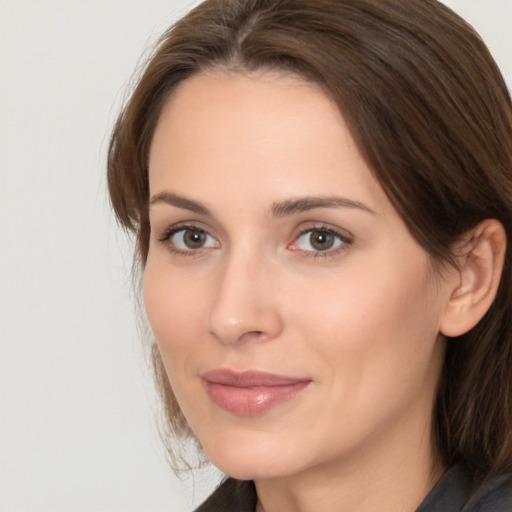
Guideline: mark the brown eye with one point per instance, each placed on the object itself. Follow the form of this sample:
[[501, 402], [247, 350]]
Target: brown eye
[[194, 239], [188, 239], [321, 240]]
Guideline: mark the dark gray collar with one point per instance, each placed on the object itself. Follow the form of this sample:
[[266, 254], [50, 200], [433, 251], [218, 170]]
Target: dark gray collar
[[453, 493]]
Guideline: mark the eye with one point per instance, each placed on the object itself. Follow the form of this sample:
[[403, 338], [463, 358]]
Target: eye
[[320, 240], [187, 239]]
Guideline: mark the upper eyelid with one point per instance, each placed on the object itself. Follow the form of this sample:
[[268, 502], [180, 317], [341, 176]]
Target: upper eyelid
[[160, 225], [344, 237], [325, 227], [174, 229], [311, 226], [177, 226]]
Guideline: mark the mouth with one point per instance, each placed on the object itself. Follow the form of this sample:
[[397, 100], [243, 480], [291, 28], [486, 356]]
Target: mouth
[[252, 392]]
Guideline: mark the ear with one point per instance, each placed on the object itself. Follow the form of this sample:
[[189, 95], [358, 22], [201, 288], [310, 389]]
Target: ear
[[476, 282]]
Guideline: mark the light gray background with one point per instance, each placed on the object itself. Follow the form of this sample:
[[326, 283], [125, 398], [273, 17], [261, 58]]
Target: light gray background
[[76, 413]]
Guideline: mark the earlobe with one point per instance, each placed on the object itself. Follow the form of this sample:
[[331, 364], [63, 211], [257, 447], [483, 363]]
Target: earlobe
[[477, 280]]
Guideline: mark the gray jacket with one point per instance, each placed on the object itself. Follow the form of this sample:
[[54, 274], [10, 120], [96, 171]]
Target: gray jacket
[[453, 493]]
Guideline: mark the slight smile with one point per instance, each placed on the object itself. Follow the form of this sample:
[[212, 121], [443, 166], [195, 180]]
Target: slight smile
[[251, 392]]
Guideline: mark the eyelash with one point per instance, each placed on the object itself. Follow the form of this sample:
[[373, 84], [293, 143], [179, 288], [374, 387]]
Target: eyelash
[[345, 239], [173, 230]]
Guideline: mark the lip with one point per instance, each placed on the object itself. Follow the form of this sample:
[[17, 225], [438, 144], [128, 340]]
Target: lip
[[251, 392]]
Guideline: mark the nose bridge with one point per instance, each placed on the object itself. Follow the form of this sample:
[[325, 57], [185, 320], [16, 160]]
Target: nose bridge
[[244, 306]]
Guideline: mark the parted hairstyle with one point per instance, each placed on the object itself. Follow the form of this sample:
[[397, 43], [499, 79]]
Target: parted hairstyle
[[432, 117]]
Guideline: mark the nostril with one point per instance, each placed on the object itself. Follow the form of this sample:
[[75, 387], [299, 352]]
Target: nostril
[[252, 335]]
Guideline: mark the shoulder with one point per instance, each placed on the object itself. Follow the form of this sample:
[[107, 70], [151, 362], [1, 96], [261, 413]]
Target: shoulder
[[494, 495], [455, 493], [233, 495], [452, 494]]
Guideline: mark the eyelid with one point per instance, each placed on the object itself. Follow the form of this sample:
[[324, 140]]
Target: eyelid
[[167, 230], [167, 234], [346, 239]]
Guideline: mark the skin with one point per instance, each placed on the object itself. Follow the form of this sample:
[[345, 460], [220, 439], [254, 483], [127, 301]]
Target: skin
[[362, 320]]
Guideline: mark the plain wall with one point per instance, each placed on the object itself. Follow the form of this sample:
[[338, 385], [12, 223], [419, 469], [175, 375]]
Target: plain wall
[[76, 413]]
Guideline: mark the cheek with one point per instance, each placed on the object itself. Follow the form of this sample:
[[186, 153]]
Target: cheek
[[373, 343], [176, 313], [173, 305], [372, 323]]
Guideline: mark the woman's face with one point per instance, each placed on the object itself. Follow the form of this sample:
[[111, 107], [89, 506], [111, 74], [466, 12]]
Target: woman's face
[[296, 316]]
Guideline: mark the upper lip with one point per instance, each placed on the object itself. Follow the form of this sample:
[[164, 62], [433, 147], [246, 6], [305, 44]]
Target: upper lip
[[249, 378]]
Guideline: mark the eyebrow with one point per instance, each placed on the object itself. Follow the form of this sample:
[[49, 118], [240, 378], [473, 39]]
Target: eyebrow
[[304, 204], [181, 202], [279, 209]]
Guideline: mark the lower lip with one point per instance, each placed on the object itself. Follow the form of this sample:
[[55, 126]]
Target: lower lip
[[254, 400]]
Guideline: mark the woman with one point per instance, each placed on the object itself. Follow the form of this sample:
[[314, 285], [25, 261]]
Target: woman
[[321, 194]]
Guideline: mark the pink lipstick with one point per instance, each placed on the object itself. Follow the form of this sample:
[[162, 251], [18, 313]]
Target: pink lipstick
[[252, 392]]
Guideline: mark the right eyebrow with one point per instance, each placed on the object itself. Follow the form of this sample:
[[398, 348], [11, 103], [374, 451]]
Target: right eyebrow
[[180, 202], [304, 204]]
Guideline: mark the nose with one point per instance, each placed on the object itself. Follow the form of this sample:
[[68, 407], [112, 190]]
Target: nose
[[245, 306]]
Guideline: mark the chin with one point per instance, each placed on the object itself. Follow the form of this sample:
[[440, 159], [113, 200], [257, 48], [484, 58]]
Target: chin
[[243, 469], [252, 458]]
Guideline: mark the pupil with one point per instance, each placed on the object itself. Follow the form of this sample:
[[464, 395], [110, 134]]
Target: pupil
[[321, 240], [194, 239]]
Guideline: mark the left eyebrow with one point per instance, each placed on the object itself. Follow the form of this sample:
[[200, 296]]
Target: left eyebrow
[[304, 204], [180, 202]]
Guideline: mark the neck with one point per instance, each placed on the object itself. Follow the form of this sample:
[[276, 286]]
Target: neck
[[395, 473]]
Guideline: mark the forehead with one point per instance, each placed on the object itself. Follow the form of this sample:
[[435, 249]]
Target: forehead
[[254, 106], [258, 132]]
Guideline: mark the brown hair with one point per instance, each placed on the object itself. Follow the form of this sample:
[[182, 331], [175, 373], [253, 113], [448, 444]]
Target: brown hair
[[432, 116]]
